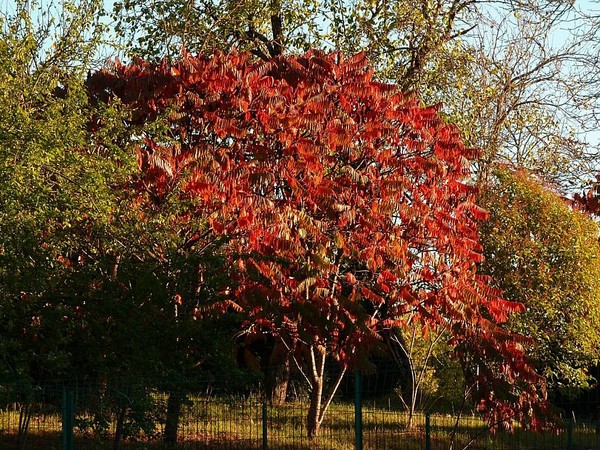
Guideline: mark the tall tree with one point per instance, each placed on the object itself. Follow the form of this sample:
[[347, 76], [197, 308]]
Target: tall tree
[[50, 186], [97, 281], [545, 254], [343, 203]]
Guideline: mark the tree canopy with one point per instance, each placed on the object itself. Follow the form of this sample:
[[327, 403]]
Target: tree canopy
[[510, 74], [545, 254], [344, 203]]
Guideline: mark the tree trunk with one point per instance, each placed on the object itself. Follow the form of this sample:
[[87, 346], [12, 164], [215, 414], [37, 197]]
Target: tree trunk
[[24, 419], [280, 383], [317, 377], [276, 47], [314, 411], [119, 428], [172, 420]]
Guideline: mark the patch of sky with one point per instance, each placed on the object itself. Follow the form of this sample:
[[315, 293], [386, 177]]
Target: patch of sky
[[574, 32], [565, 50]]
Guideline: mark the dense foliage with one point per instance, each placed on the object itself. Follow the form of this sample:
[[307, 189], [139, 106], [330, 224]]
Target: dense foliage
[[344, 204], [90, 273], [543, 253]]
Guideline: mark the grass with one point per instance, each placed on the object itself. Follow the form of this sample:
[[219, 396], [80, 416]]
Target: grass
[[224, 424]]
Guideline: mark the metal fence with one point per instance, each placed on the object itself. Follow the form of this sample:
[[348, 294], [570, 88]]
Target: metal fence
[[116, 416]]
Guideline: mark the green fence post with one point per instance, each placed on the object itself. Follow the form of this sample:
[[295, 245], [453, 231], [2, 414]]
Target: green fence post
[[570, 435], [358, 424], [265, 443], [427, 431], [68, 419]]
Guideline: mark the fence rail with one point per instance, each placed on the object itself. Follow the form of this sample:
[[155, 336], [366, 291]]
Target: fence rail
[[131, 417]]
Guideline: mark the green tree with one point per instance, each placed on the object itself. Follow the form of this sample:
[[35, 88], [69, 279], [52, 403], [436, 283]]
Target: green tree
[[51, 186], [542, 252], [97, 281]]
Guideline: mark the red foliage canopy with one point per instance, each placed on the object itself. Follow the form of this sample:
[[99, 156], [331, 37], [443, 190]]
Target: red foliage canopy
[[346, 204]]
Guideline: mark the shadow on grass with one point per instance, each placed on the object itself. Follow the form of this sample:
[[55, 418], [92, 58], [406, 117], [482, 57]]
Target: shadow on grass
[[52, 441]]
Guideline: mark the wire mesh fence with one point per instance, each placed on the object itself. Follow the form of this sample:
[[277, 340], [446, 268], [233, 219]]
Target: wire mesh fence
[[144, 415]]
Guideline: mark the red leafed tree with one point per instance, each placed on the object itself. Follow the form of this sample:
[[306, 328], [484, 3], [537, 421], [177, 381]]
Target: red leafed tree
[[589, 201], [346, 206]]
